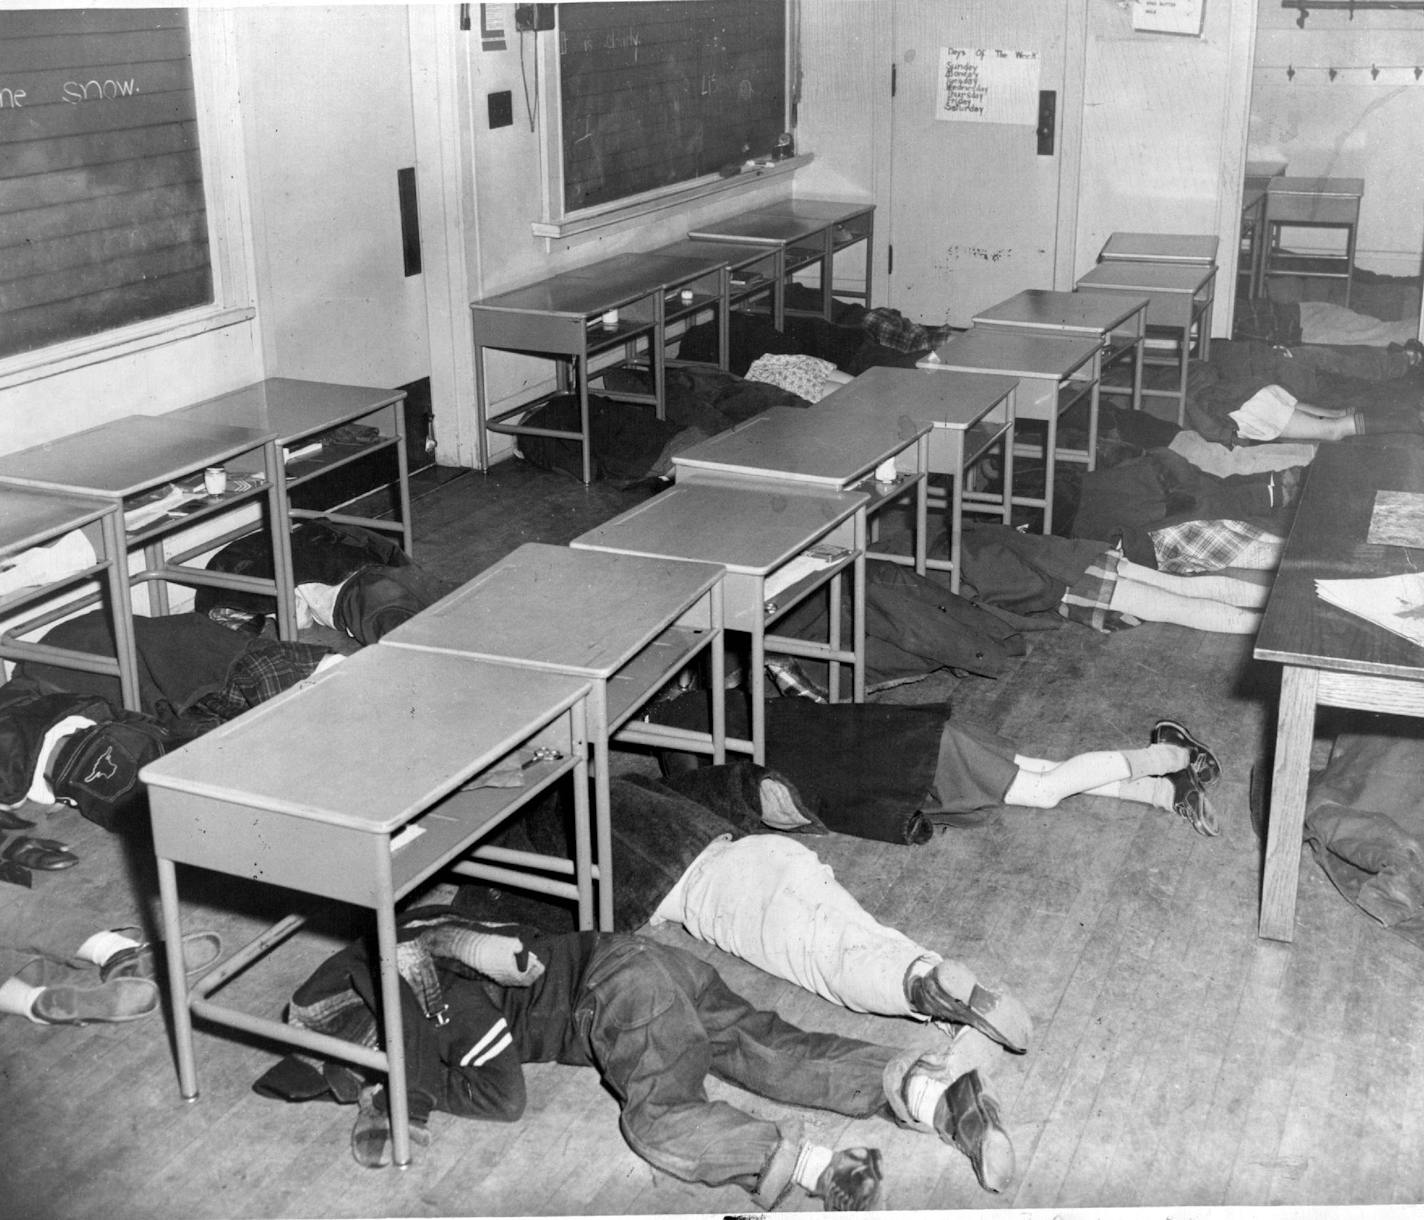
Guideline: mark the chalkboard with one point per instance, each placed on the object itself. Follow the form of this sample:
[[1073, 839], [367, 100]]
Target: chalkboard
[[657, 93], [102, 214]]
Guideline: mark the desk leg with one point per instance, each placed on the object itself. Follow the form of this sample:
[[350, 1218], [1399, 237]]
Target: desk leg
[[279, 518], [756, 686], [177, 979], [1050, 459], [1295, 732], [718, 667], [393, 1025], [857, 628], [833, 621], [121, 607], [922, 502], [602, 815], [1137, 365]]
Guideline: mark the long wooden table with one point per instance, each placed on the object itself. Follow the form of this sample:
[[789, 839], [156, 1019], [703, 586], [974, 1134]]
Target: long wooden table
[[1330, 657]]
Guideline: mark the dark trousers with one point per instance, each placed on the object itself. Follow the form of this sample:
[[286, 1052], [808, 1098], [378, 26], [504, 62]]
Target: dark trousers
[[657, 1021]]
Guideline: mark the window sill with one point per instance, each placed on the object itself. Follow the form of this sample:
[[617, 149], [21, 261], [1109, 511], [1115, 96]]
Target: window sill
[[112, 345], [640, 207]]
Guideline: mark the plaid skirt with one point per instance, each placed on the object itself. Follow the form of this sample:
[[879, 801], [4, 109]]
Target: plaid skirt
[[1089, 598]]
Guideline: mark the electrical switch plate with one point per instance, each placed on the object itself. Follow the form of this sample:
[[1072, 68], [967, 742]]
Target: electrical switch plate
[[501, 109]]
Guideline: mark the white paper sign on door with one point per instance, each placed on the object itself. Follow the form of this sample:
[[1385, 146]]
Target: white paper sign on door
[[1168, 16], [987, 85]]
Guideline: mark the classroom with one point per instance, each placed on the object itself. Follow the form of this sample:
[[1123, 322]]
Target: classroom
[[711, 607]]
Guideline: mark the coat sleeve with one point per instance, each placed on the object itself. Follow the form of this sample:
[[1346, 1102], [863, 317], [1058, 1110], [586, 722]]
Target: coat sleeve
[[485, 1075]]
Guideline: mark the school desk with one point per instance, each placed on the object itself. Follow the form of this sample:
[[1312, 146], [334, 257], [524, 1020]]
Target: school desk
[[1179, 305], [1328, 656], [1053, 372], [779, 545], [753, 280], [841, 443], [30, 518], [358, 786], [306, 416], [1330, 204], [574, 318], [1119, 324], [624, 624], [1195, 248], [810, 233], [122, 460]]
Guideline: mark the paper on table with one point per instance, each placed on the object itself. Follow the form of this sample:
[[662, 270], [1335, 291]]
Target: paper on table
[[1395, 603]]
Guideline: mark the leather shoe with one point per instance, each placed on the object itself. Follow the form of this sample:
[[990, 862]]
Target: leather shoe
[[1201, 761], [851, 1182], [1189, 801], [967, 1116], [948, 992], [200, 951], [10, 820], [45, 855], [114, 1001]]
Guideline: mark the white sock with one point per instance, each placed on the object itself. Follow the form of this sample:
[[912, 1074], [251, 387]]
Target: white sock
[[922, 1093], [18, 997], [811, 1162], [100, 947]]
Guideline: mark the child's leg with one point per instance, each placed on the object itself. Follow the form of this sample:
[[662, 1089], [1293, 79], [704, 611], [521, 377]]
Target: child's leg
[[1041, 785]]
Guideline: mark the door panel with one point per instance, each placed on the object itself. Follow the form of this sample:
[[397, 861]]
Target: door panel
[[329, 126], [973, 206]]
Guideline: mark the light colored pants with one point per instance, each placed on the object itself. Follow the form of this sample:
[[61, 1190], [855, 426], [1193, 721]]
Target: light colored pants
[[771, 901]]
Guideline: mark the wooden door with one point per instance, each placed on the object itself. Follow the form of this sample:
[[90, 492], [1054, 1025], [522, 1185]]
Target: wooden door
[[330, 123], [974, 205]]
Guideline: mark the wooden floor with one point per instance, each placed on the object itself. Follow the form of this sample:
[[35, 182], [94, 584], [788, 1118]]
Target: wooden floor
[[1178, 1061]]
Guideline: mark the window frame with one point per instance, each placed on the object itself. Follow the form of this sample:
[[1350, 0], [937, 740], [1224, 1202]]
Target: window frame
[[212, 44]]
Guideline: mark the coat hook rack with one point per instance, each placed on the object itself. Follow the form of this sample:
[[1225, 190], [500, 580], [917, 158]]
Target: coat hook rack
[[1333, 73], [1290, 72]]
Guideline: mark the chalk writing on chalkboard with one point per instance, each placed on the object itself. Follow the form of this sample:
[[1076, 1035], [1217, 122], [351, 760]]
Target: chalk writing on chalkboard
[[659, 92], [103, 219], [987, 86]]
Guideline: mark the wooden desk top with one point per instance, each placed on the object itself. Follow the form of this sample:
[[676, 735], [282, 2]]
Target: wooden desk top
[[767, 228], [1068, 312], [835, 443], [573, 294], [292, 409], [558, 608], [1345, 188], [130, 455], [638, 273], [30, 516], [735, 255], [827, 211], [997, 349], [1162, 247], [744, 525], [1327, 540], [412, 727], [1149, 277]]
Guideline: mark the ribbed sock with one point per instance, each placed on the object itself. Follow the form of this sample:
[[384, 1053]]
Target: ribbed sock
[[811, 1163]]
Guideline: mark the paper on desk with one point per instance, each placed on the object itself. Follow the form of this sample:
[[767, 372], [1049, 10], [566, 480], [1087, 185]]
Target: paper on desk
[[1395, 603], [792, 571], [147, 513]]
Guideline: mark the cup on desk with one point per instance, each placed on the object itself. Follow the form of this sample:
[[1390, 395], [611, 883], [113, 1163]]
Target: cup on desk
[[215, 480], [610, 320]]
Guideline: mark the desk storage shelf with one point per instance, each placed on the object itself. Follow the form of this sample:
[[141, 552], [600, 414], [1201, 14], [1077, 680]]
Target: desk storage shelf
[[31, 518], [306, 414], [128, 459]]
